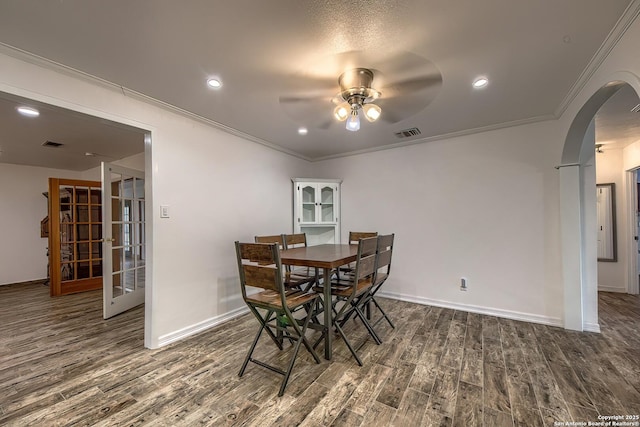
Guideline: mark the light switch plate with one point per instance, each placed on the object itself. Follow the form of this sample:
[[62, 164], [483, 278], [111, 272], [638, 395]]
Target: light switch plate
[[164, 211]]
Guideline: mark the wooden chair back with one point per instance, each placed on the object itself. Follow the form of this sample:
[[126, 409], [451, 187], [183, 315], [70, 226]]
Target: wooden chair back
[[295, 240], [366, 260], [385, 250], [354, 236], [259, 266], [276, 238]]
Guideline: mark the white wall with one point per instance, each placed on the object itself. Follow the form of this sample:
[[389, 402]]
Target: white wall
[[631, 156], [220, 188], [588, 234], [135, 162], [483, 207], [23, 253], [609, 169]]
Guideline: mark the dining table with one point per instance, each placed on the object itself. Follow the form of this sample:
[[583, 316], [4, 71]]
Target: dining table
[[326, 257]]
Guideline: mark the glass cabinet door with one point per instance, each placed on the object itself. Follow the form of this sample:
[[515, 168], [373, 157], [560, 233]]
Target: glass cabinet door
[[308, 193], [326, 204]]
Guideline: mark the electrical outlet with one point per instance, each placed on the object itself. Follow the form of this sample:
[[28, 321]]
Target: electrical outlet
[[164, 211], [463, 284]]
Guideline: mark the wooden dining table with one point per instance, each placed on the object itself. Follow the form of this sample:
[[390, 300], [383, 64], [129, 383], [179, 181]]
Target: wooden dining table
[[327, 257]]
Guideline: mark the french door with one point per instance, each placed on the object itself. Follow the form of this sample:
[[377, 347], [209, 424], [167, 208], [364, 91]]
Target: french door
[[124, 248]]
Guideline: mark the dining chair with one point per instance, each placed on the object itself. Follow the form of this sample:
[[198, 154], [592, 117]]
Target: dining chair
[[354, 238], [350, 293], [276, 238], [291, 278], [299, 240], [259, 266], [383, 268]]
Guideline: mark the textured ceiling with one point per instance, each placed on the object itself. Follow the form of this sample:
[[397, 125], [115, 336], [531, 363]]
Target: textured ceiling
[[535, 54]]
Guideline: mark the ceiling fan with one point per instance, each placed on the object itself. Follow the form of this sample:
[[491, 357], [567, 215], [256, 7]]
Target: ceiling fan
[[356, 95], [391, 89]]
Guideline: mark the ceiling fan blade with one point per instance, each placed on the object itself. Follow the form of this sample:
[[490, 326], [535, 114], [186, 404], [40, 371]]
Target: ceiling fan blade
[[398, 108], [311, 111], [411, 85], [308, 98], [297, 99], [307, 81], [388, 115], [326, 124]]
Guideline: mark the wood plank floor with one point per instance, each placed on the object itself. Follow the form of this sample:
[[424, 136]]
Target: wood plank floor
[[61, 364]]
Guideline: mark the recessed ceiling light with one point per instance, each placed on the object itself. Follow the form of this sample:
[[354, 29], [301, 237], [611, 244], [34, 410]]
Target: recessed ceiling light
[[89, 154], [214, 83], [303, 131], [480, 82], [28, 111]]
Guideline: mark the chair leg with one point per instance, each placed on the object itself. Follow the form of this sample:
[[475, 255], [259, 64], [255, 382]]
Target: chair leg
[[367, 325], [383, 312], [263, 327], [250, 352], [301, 339], [346, 341], [355, 309], [311, 315], [267, 318]]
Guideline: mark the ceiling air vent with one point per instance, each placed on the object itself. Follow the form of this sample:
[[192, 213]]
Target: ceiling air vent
[[408, 133], [52, 144], [636, 109]]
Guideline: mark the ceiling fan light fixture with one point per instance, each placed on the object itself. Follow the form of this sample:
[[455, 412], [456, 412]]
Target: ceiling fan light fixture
[[353, 123], [372, 112], [341, 112]]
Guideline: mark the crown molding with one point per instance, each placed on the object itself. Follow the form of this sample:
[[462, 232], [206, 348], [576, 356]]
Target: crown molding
[[444, 136], [628, 17], [74, 73]]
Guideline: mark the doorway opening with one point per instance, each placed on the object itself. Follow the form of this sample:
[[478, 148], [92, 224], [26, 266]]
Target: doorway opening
[[578, 212], [86, 137]]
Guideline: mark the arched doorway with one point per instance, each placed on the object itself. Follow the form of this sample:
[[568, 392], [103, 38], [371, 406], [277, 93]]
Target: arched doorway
[[577, 213]]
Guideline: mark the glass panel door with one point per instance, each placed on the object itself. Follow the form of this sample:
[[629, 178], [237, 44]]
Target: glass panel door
[[124, 229]]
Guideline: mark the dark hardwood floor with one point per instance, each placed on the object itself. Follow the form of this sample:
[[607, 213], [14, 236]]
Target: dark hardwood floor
[[61, 364]]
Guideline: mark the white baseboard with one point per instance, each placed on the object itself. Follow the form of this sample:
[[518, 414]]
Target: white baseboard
[[200, 326], [592, 327], [605, 288], [507, 314]]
